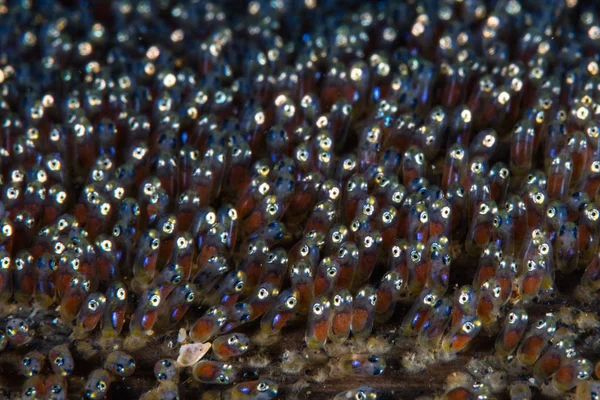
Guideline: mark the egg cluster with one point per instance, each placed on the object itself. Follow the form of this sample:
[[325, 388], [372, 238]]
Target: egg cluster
[[227, 173]]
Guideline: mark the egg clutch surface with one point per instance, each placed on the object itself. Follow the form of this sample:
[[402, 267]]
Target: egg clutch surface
[[299, 199]]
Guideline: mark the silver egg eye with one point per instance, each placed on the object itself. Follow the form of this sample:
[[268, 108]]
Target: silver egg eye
[[415, 256], [291, 302], [445, 212], [61, 197], [398, 284], [497, 291], [512, 317], [373, 299], [468, 327], [541, 324], [317, 309], [263, 293], [105, 209], [304, 251], [497, 221], [337, 300], [93, 305], [262, 387], [155, 300], [264, 188], [463, 298], [168, 227], [429, 299], [211, 217], [489, 140], [360, 395], [539, 198], [7, 230]]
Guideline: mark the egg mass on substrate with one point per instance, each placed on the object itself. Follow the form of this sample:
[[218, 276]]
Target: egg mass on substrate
[[294, 193]]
